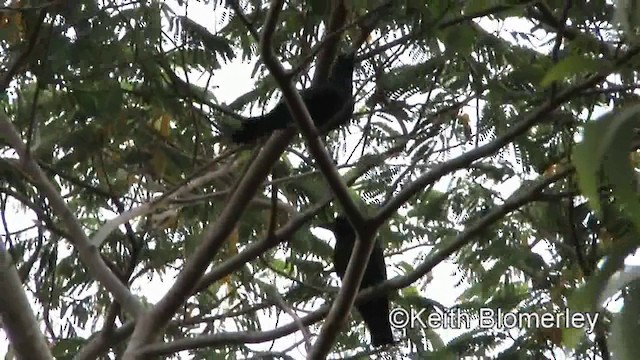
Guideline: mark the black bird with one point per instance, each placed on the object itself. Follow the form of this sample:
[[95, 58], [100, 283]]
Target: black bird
[[374, 312], [324, 101]]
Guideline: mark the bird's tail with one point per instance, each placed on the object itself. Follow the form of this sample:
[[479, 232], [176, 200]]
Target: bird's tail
[[249, 131], [256, 127], [375, 314]]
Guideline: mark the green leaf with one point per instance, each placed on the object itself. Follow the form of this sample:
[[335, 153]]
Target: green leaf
[[570, 66], [460, 39], [586, 161], [476, 6], [571, 337], [626, 326], [67, 348], [605, 151]]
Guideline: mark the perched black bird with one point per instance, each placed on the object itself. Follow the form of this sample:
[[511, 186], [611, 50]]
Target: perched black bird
[[324, 101], [374, 312]]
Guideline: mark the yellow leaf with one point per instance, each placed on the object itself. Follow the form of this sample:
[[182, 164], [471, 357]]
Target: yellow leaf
[[158, 164], [232, 241], [160, 124], [164, 125], [464, 119], [232, 248], [165, 219], [551, 170]]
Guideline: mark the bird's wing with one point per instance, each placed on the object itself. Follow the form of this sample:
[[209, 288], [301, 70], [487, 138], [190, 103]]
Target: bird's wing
[[376, 271], [341, 255], [375, 314]]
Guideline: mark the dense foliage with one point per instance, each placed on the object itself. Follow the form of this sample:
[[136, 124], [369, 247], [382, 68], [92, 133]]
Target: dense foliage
[[130, 215]]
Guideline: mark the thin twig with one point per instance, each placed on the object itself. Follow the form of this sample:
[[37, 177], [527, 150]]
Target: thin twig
[[88, 253]]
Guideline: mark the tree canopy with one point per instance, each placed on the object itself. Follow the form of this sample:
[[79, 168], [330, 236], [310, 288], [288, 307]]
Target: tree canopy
[[500, 136]]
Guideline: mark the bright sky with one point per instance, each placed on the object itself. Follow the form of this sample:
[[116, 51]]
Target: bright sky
[[233, 80]]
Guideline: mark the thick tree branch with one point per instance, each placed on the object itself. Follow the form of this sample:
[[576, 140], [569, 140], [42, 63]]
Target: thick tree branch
[[362, 250], [303, 119], [348, 291], [253, 250], [516, 130], [212, 240], [16, 62], [18, 320], [364, 246], [88, 253], [102, 341], [522, 196], [232, 338], [150, 206], [216, 234]]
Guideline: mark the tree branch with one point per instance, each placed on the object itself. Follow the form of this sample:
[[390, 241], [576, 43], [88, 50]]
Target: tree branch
[[518, 129], [215, 234], [255, 249], [19, 61], [212, 240], [18, 320], [243, 18], [520, 197], [88, 253], [99, 343]]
